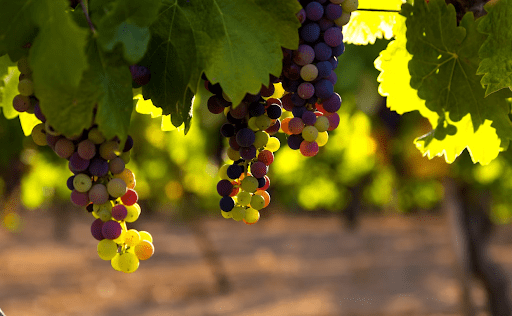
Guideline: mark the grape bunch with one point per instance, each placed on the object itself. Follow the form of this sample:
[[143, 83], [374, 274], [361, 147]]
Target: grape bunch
[[100, 181], [249, 129], [308, 74]]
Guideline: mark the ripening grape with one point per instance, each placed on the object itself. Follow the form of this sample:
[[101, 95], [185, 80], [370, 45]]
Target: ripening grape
[[304, 55], [309, 133], [96, 136], [296, 125], [79, 198], [21, 103], [82, 182], [333, 37], [306, 90], [133, 213], [259, 169], [98, 194], [248, 153], [111, 229], [263, 122], [343, 19], [39, 135], [86, 149], [64, 148], [226, 215], [334, 121], [144, 250], [132, 238], [266, 156], [107, 249], [240, 111], [130, 197], [116, 165], [233, 154], [23, 65], [322, 123], [128, 262], [77, 163], [128, 177], [308, 149], [26, 87], [119, 212], [116, 187], [261, 139]]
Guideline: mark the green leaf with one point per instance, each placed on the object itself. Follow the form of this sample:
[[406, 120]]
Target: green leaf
[[366, 26], [191, 37], [443, 70], [496, 64], [17, 26], [127, 23], [8, 86]]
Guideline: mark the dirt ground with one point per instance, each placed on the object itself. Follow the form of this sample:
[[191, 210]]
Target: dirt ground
[[284, 265]]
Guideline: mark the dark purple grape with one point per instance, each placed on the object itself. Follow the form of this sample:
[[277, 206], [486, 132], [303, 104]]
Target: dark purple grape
[[248, 153], [214, 106], [333, 11], [290, 85], [267, 92], [214, 88], [234, 171], [256, 109], [251, 98], [322, 51], [334, 62], [298, 111], [324, 89], [259, 169], [96, 229], [274, 111], [297, 100], [227, 130], [324, 69], [273, 129], [314, 11], [333, 37], [78, 163], [98, 167], [128, 145], [245, 137], [140, 75], [261, 182], [294, 141], [292, 72], [333, 77], [338, 50], [301, 16], [227, 203], [233, 144], [309, 118], [37, 112], [69, 183], [310, 32], [325, 24], [224, 187], [332, 104]]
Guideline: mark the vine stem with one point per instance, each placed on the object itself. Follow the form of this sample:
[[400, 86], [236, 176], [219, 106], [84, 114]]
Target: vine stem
[[378, 10], [85, 7]]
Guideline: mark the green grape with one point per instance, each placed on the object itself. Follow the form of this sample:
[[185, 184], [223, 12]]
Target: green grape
[[273, 144], [227, 214], [132, 238], [322, 123], [128, 262], [250, 184], [261, 140], [251, 215], [244, 198], [39, 135], [309, 133], [252, 124], [144, 235], [257, 202], [349, 5], [107, 249], [26, 87], [262, 122], [133, 213], [115, 262], [82, 183], [238, 213], [23, 65], [95, 136]]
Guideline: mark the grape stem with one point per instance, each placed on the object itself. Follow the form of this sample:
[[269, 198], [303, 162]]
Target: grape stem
[[378, 10], [85, 7]]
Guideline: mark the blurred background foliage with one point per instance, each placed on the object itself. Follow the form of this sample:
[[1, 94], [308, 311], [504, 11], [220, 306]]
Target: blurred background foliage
[[370, 158]]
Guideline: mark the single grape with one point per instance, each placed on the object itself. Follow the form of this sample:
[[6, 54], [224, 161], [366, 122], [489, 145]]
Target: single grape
[[39, 135], [243, 198], [349, 5], [324, 24], [314, 11], [115, 262], [249, 184], [214, 105], [144, 250], [21, 103], [130, 197], [98, 167], [96, 229], [69, 183], [132, 238], [64, 148], [226, 203], [233, 154], [301, 15], [141, 75], [116, 165], [128, 262], [333, 37], [334, 121], [343, 19], [274, 128], [257, 202], [82, 182], [263, 122], [119, 212], [322, 123], [108, 150], [111, 229], [98, 194], [23, 65], [223, 172], [234, 172], [273, 144], [308, 149], [128, 177], [285, 126], [267, 92], [26, 87], [251, 216], [86, 149], [266, 156], [238, 213], [304, 55], [245, 137], [309, 133], [322, 139], [324, 69], [274, 111], [79, 198], [309, 72], [309, 118], [296, 125], [128, 145], [322, 51], [310, 32], [267, 184], [224, 187], [265, 195], [96, 136], [261, 139], [240, 111], [338, 50], [133, 213], [306, 90], [116, 187], [294, 141], [107, 249], [333, 78], [333, 11], [38, 113], [144, 235], [248, 153], [332, 104], [324, 89], [228, 130]]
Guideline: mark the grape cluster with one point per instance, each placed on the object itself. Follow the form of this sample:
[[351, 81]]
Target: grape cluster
[[100, 181], [250, 128], [308, 74]]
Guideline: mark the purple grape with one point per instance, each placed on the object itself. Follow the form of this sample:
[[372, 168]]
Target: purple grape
[[297, 100], [333, 11], [259, 169], [334, 62], [140, 75], [86, 149], [224, 187], [301, 16], [267, 91], [272, 130], [261, 182], [21, 103], [256, 109], [309, 118], [338, 50], [325, 24], [251, 98], [248, 153], [119, 212], [292, 72], [98, 167], [240, 111], [324, 69], [79, 198], [111, 229], [226, 203], [322, 51], [228, 130], [274, 111], [324, 89], [298, 111], [294, 141], [332, 104], [69, 183], [233, 143], [290, 85], [310, 32], [78, 163], [306, 90], [234, 171], [128, 145], [52, 140], [214, 106], [96, 229], [245, 137], [304, 55], [333, 36], [314, 11], [333, 78], [37, 112]]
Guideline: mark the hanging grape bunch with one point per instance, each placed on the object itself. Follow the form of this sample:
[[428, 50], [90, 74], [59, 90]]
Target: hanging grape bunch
[[100, 182], [308, 74]]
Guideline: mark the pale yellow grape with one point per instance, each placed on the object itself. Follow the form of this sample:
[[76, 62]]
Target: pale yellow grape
[[251, 215], [38, 135], [82, 182], [95, 136], [238, 213], [144, 250], [322, 123], [233, 154], [144, 235], [261, 139], [227, 214], [116, 187], [322, 139], [252, 124], [128, 262], [244, 198], [250, 184], [343, 19], [132, 238], [309, 133], [107, 249], [309, 72], [115, 262], [223, 172], [273, 144], [257, 202], [263, 122], [133, 213]]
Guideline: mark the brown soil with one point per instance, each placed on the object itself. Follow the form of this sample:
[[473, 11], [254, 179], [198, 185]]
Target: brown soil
[[283, 265]]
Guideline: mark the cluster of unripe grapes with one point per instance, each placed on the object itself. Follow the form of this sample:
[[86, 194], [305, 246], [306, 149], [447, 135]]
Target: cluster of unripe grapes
[[249, 128], [100, 181]]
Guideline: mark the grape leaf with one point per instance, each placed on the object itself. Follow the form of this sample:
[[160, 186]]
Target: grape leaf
[[126, 23], [401, 97], [8, 86], [366, 26], [191, 37], [496, 64], [16, 25], [443, 69]]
